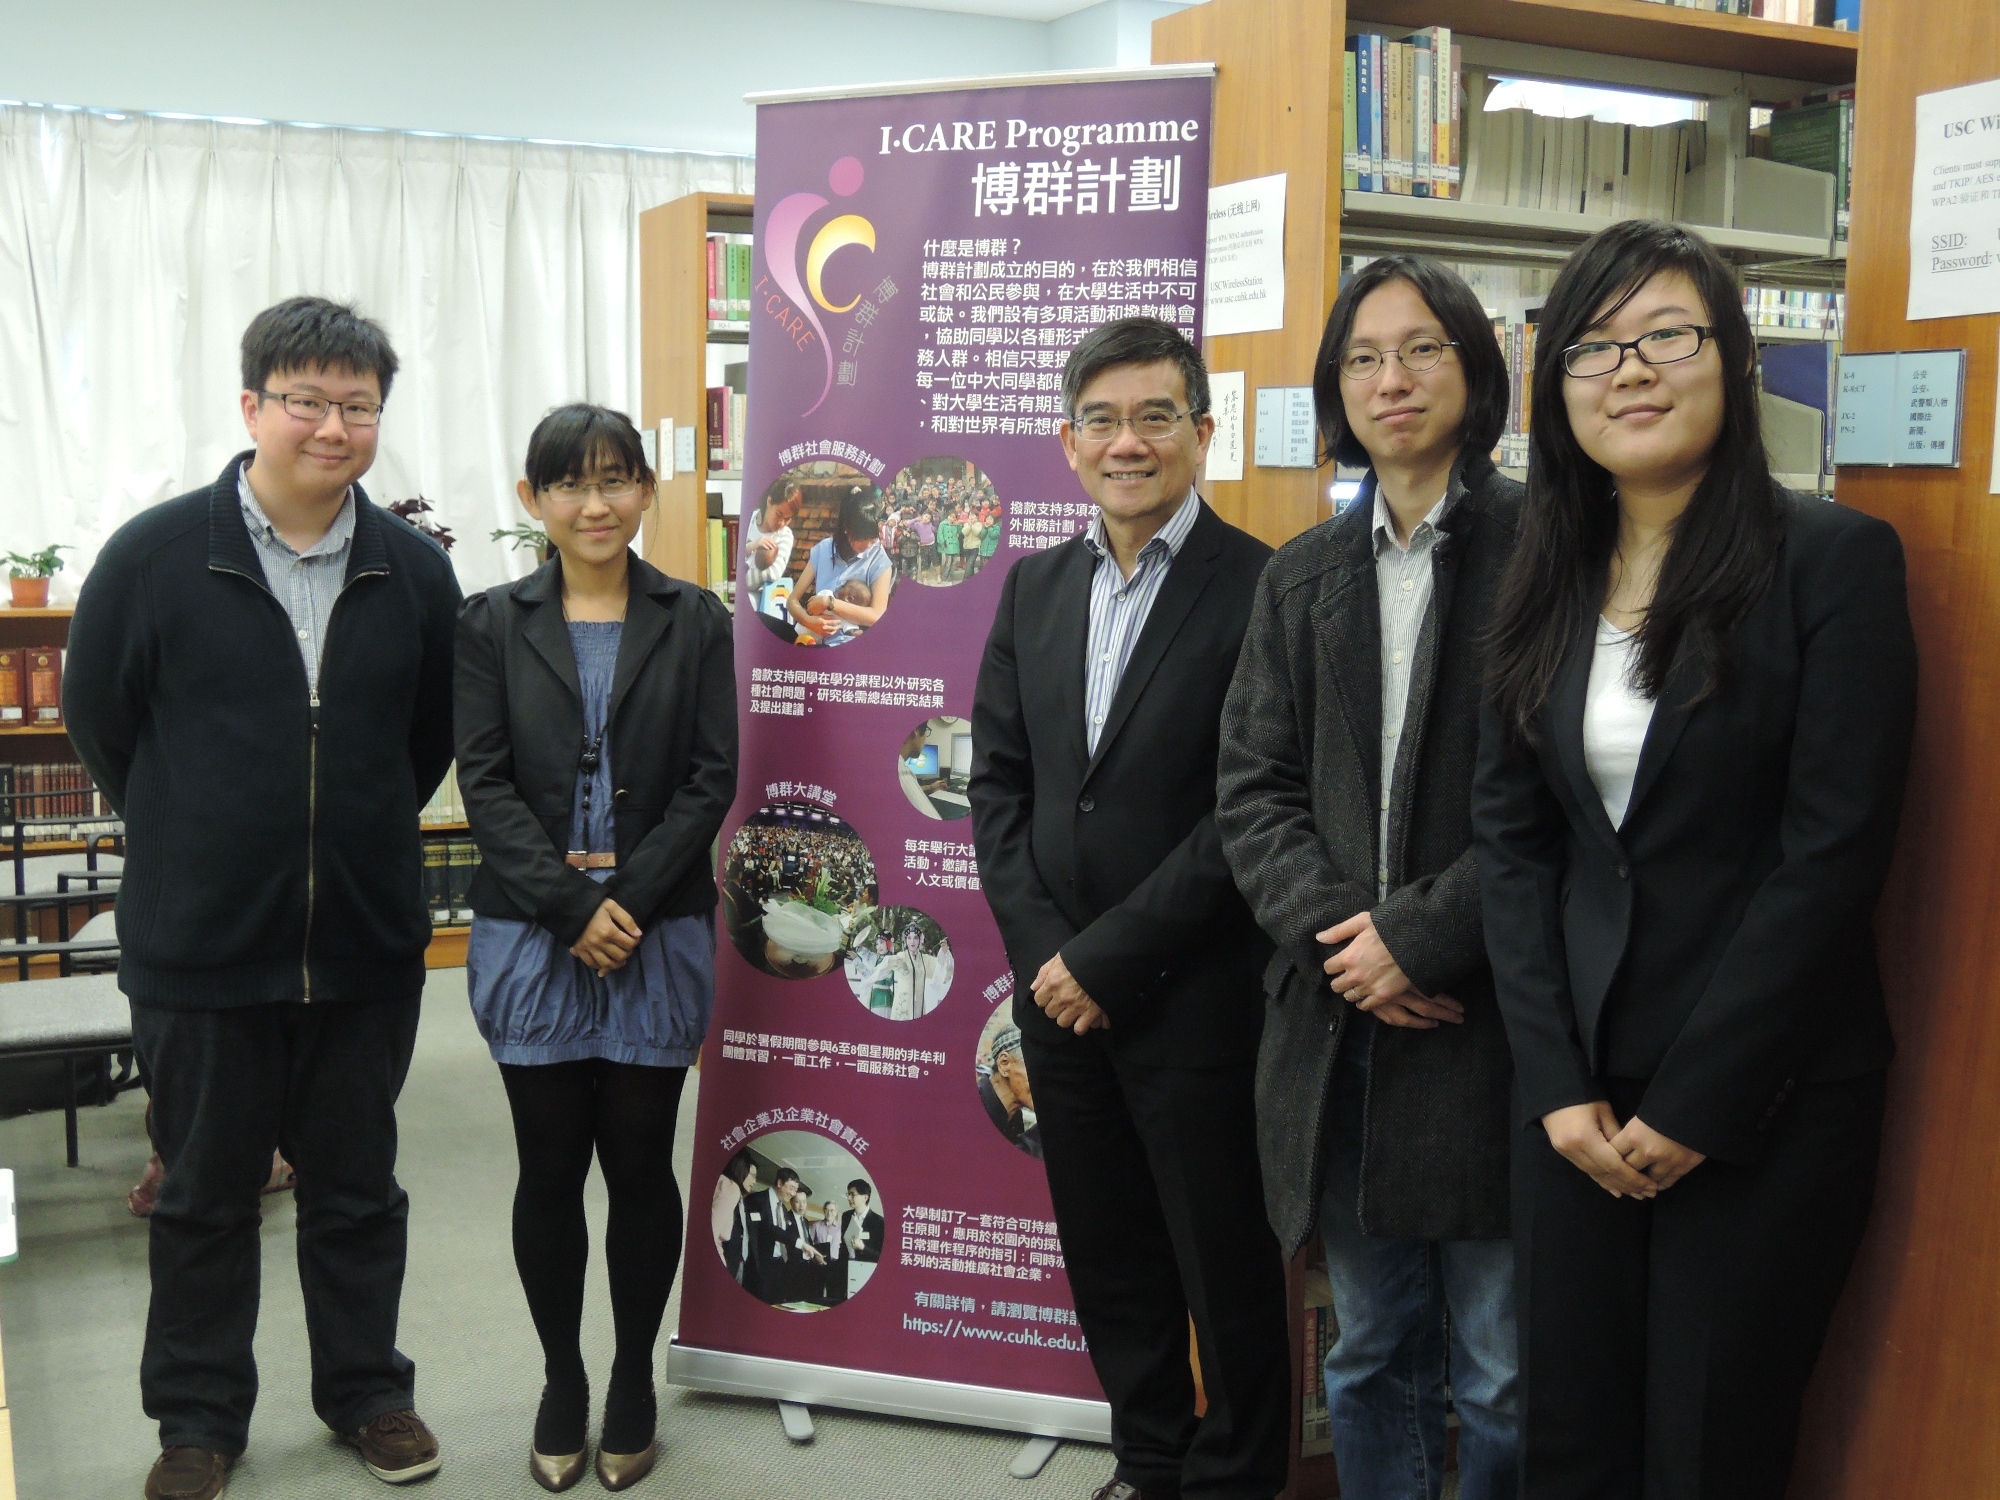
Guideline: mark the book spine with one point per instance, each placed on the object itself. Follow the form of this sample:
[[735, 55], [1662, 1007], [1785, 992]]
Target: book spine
[[44, 686], [739, 411], [462, 861], [1350, 144], [1423, 126], [1406, 158], [714, 294], [1455, 131], [437, 895], [1378, 140], [13, 708], [1402, 76]]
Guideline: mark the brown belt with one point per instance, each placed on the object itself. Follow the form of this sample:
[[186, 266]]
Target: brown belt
[[576, 859]]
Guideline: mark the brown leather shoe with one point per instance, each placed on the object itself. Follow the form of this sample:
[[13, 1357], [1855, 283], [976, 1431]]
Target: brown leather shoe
[[189, 1474], [558, 1473], [620, 1471], [398, 1448]]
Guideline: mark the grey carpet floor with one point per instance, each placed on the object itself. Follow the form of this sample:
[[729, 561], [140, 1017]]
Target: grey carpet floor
[[73, 1310]]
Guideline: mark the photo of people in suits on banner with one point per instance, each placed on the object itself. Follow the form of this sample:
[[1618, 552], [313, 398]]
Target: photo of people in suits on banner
[[796, 1221]]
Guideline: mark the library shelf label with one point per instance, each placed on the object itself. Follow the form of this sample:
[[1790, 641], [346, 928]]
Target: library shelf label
[[1955, 203], [1900, 409], [1285, 427], [1246, 256], [1225, 449]]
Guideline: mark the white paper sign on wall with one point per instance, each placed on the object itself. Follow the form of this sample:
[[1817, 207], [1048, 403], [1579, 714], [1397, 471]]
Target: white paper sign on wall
[[1955, 203], [1286, 437], [1225, 449], [1899, 409]]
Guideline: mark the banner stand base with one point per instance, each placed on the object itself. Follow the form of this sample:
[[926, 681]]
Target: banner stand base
[[789, 1382], [1034, 1455], [796, 1420]]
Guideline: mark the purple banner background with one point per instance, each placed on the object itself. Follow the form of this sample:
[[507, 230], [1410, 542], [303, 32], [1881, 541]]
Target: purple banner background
[[936, 351]]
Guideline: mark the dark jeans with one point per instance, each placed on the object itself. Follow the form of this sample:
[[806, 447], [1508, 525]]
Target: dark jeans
[[318, 1082], [1666, 1345], [1160, 1208], [1415, 1318]]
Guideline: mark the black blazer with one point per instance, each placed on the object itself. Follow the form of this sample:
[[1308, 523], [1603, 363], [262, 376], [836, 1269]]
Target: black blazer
[[518, 707], [1720, 943], [1300, 814], [871, 1226], [1113, 859]]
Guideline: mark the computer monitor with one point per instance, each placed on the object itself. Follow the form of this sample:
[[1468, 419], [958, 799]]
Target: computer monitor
[[924, 762]]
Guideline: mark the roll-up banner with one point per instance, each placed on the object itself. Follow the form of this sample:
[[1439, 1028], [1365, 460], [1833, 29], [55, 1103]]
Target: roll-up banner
[[870, 1221]]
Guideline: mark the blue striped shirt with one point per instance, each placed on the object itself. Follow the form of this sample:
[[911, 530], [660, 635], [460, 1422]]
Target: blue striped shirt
[[1119, 606], [307, 582]]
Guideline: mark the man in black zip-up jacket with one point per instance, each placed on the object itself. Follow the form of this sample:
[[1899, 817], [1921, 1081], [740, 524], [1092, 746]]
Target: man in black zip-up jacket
[[259, 679]]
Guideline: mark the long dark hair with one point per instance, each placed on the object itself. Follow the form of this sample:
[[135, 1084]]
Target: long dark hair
[[1725, 544], [1457, 307]]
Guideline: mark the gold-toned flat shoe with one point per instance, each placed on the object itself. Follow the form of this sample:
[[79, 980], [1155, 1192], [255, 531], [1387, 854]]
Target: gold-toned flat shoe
[[620, 1471], [559, 1473]]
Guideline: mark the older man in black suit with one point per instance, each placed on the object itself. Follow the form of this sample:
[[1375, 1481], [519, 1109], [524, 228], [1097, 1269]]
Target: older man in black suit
[[1137, 963]]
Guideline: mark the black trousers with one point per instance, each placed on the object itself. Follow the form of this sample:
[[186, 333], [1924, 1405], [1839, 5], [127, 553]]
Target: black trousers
[[318, 1082], [1160, 1208], [1665, 1346]]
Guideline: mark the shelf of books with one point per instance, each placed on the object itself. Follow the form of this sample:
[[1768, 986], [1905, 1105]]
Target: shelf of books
[[695, 295], [450, 857]]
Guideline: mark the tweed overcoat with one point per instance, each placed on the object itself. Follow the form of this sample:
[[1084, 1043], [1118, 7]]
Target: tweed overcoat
[[1299, 806]]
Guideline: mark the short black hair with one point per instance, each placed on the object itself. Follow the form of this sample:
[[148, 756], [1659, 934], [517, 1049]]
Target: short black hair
[[304, 333], [785, 1175], [860, 1185], [1465, 324], [740, 1166], [573, 439], [1133, 341]]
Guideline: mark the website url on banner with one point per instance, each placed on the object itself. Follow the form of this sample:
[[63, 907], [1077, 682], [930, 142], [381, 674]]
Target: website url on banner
[[952, 1328]]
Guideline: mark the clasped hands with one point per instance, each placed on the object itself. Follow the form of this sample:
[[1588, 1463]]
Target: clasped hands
[[610, 938], [1634, 1161], [1367, 976], [1063, 1000]]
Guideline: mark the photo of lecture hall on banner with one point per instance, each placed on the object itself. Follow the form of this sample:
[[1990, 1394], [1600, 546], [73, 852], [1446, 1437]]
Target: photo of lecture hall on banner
[[922, 265]]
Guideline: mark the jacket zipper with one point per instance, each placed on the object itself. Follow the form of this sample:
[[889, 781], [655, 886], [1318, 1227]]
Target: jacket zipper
[[312, 755]]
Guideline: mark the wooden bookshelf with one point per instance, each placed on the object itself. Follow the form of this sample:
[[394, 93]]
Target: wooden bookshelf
[[674, 335]]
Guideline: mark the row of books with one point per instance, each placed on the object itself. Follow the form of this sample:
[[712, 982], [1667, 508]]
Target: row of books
[[1842, 15], [448, 867], [1403, 114], [1817, 132], [1518, 159], [728, 278], [1789, 307], [723, 550], [62, 789], [1315, 1423], [446, 807], [1517, 345], [726, 413], [30, 686]]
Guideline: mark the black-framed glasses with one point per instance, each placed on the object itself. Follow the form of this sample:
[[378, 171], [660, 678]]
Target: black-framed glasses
[[573, 491], [1662, 346], [1363, 361], [313, 409], [1101, 426]]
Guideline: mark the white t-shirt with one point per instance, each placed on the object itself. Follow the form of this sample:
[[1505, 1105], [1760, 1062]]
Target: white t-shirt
[[1616, 716], [753, 576]]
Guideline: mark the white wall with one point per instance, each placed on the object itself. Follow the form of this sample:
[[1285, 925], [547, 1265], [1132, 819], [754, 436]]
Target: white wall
[[1113, 33], [668, 73]]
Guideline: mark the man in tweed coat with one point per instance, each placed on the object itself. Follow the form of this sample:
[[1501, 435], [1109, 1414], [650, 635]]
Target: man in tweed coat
[[1348, 742]]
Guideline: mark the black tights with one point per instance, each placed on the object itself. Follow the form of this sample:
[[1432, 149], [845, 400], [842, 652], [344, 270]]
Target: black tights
[[625, 1113]]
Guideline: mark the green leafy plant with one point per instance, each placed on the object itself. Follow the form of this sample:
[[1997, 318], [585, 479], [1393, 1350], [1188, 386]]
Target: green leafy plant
[[524, 535], [42, 564]]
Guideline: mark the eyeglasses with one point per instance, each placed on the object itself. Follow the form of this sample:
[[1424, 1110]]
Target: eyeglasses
[[571, 492], [1101, 427], [1663, 346], [1421, 353], [313, 409]]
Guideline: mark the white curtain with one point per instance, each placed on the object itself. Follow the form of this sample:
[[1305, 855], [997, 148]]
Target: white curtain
[[134, 250]]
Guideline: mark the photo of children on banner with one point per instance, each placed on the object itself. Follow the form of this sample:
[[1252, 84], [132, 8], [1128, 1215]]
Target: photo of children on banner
[[797, 882], [783, 1235], [899, 963], [935, 765], [1002, 1071], [814, 569], [941, 521]]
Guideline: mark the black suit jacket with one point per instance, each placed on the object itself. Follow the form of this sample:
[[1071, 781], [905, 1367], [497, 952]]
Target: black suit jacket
[[1113, 859], [871, 1226], [518, 707], [1719, 943]]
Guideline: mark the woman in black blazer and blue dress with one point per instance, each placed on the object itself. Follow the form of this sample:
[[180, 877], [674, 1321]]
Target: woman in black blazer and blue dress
[[595, 710], [1691, 767]]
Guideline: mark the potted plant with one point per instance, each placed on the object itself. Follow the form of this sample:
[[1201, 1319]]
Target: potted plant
[[421, 514], [29, 574], [525, 535]]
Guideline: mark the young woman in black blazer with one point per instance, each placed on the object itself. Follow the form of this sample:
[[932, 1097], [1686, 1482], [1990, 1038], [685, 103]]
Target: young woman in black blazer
[[595, 711], [1691, 768]]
